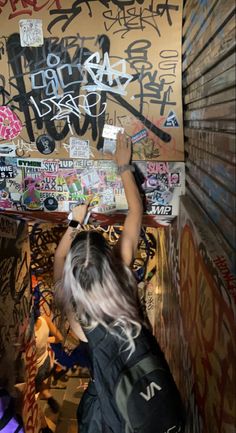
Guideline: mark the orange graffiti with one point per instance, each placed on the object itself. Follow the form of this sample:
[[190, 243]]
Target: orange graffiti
[[208, 323]]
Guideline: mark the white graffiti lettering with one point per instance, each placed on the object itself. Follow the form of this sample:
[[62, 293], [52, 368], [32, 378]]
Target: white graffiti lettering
[[108, 73], [66, 105], [106, 77]]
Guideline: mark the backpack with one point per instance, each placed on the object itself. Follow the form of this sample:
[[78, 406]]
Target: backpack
[[148, 399], [137, 395]]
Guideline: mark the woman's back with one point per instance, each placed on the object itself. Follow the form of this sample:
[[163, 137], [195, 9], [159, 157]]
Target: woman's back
[[133, 390]]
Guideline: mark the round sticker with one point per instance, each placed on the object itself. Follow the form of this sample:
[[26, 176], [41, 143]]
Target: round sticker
[[50, 203], [45, 144]]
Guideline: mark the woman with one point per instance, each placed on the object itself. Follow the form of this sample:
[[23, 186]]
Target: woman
[[99, 293], [46, 333]]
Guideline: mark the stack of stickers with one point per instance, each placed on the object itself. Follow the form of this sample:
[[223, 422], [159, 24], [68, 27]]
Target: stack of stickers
[[59, 184]]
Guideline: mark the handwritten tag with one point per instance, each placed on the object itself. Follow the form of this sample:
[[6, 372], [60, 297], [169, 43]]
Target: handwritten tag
[[111, 131]]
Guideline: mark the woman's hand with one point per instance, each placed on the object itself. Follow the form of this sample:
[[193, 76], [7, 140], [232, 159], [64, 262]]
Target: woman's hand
[[79, 212], [123, 150]]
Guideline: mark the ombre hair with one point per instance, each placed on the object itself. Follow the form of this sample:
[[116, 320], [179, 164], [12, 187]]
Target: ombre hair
[[101, 288]]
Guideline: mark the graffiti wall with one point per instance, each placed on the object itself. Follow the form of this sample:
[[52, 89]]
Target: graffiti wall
[[199, 314], [17, 342], [72, 75], [69, 68], [44, 238]]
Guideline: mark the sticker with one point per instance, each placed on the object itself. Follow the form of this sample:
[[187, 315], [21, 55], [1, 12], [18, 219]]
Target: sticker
[[90, 178], [50, 203], [31, 199], [7, 149], [139, 136], [160, 210], [51, 165], [174, 179], [104, 208], [31, 33], [171, 121], [79, 148], [111, 131], [10, 124], [45, 144], [154, 167], [109, 146], [108, 196], [73, 182], [6, 171], [32, 163], [66, 163]]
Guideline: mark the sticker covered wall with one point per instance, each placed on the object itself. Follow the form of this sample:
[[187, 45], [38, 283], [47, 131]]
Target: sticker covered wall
[[69, 68], [59, 184]]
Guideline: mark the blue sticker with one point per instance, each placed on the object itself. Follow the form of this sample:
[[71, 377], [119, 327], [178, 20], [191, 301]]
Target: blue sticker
[[139, 136]]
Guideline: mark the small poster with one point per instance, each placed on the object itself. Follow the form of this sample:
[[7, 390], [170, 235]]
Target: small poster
[[31, 33]]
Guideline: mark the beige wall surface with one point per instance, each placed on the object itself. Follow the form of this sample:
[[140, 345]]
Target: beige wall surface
[[67, 68]]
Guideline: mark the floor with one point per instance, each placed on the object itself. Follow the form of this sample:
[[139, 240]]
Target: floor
[[67, 392]]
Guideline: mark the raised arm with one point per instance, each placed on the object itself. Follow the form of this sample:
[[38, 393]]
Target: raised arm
[[78, 214], [128, 242]]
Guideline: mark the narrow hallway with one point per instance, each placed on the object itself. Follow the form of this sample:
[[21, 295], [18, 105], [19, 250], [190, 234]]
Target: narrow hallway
[[68, 393]]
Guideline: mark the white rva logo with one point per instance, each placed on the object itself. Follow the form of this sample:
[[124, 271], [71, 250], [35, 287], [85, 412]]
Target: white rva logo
[[150, 391]]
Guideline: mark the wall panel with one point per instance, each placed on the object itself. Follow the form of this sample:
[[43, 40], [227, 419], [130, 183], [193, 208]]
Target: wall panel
[[209, 109]]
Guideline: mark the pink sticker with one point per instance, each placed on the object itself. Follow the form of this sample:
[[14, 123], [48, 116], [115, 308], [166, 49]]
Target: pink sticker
[[10, 124]]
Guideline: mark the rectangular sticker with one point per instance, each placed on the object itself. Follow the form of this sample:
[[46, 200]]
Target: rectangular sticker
[[109, 146], [31, 32], [6, 172], [32, 163], [139, 136], [111, 131], [79, 148], [7, 149]]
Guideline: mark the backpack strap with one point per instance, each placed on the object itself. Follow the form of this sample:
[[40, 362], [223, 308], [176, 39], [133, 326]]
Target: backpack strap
[[95, 335]]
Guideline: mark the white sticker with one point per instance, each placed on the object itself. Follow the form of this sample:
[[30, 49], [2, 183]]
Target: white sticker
[[90, 178], [108, 196], [7, 149], [109, 146], [79, 148], [111, 131], [31, 33]]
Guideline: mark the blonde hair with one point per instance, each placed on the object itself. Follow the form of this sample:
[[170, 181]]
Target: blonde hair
[[101, 289]]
